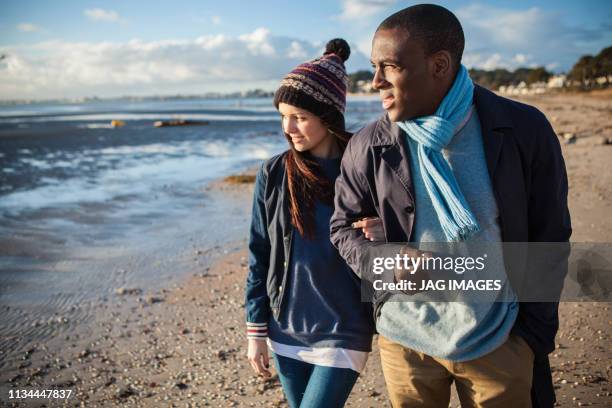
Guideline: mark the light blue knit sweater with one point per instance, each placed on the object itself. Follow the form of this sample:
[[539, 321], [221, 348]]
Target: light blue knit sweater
[[456, 331]]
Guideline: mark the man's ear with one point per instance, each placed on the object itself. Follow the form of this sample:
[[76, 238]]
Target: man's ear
[[441, 64]]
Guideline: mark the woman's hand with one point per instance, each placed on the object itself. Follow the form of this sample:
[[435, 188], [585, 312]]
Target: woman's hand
[[372, 228], [257, 353]]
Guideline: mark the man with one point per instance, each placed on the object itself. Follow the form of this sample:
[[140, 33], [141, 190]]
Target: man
[[451, 161]]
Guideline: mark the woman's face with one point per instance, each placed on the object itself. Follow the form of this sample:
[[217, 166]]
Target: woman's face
[[307, 131]]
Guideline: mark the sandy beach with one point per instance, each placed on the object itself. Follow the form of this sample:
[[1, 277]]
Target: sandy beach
[[185, 345]]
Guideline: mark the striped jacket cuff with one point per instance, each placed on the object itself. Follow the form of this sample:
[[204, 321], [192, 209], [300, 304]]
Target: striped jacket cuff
[[257, 330]]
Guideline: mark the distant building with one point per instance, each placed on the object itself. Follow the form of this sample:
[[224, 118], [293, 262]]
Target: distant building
[[536, 88], [364, 86], [557, 81]]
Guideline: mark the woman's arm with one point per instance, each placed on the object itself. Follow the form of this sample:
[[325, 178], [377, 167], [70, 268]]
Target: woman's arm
[[256, 295]]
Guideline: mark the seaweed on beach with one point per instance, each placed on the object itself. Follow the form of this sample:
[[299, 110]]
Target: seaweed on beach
[[240, 179]]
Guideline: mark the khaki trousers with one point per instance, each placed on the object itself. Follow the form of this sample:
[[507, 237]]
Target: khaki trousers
[[501, 378]]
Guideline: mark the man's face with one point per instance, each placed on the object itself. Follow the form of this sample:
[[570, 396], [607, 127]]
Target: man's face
[[403, 75]]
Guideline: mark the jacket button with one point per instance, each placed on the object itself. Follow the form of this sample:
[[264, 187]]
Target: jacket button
[[285, 264], [410, 209]]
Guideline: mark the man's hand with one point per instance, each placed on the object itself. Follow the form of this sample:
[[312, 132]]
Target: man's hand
[[257, 353], [417, 275], [371, 227]]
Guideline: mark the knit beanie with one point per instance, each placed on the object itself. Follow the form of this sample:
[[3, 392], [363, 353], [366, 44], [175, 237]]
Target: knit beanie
[[319, 86]]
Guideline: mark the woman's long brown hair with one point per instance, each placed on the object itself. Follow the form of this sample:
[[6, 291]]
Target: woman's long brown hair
[[307, 183]]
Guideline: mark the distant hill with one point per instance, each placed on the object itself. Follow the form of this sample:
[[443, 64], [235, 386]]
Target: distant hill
[[502, 77], [360, 81], [593, 72]]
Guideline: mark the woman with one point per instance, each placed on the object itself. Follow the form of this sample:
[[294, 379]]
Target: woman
[[301, 296]]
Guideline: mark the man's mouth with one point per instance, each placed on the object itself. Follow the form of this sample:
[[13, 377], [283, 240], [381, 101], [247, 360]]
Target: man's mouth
[[387, 101]]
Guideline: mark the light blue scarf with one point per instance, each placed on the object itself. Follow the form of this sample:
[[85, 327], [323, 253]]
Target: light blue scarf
[[433, 133]]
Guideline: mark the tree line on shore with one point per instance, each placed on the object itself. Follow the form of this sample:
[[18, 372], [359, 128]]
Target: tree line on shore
[[589, 72]]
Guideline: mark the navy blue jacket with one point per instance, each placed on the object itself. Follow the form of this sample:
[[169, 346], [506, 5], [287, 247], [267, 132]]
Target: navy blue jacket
[[529, 181], [270, 248], [269, 242]]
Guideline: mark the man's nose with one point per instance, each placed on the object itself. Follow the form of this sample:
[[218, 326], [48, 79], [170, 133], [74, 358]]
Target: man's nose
[[379, 82]]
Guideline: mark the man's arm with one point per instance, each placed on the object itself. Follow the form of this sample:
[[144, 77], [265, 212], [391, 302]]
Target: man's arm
[[549, 218], [549, 221], [352, 202]]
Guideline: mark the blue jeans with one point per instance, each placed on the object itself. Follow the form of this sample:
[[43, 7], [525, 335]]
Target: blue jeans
[[313, 386]]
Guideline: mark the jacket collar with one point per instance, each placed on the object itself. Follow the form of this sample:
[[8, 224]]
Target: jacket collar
[[386, 132], [491, 112], [494, 123]]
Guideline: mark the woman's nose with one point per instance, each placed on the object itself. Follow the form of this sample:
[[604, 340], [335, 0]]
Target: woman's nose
[[289, 125]]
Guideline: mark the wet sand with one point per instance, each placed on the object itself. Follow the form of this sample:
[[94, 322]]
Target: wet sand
[[185, 345]]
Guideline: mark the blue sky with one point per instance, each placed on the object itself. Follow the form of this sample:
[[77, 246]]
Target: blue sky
[[58, 48]]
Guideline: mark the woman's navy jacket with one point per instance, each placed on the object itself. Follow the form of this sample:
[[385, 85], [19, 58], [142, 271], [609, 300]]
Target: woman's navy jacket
[[269, 242]]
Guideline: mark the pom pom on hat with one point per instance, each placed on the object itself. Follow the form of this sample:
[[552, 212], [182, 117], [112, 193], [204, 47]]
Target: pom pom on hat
[[319, 86], [339, 47]]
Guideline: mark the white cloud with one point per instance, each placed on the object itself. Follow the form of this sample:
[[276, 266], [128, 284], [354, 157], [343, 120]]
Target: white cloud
[[360, 9], [521, 59], [216, 20], [258, 42], [506, 38], [365, 45], [28, 27], [296, 50], [552, 66], [502, 26], [98, 14], [209, 63], [490, 61]]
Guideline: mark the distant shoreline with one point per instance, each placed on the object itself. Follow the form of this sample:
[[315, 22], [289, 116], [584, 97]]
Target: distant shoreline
[[237, 95], [128, 98]]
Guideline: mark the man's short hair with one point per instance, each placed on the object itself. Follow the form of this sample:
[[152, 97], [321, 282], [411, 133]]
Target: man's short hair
[[436, 27]]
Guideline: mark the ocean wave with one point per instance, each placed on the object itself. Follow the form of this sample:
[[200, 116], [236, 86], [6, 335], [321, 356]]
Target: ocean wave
[[134, 170], [141, 116], [96, 126]]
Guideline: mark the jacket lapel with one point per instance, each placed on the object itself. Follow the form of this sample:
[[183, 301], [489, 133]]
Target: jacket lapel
[[493, 122], [392, 150], [493, 140]]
